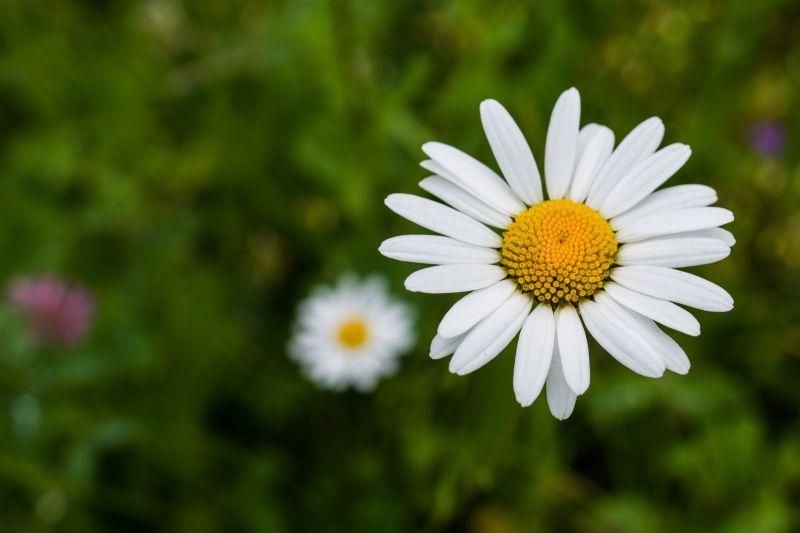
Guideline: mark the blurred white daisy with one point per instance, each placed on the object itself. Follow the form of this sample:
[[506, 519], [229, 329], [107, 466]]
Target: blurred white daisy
[[601, 251], [351, 334]]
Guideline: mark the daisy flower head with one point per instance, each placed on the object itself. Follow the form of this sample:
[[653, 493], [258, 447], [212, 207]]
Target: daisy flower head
[[351, 334], [598, 247]]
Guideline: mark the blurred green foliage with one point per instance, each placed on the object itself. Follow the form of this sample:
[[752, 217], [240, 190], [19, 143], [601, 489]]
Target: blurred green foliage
[[200, 164]]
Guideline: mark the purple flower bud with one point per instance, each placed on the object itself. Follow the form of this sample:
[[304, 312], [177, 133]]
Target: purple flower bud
[[56, 312], [767, 137]]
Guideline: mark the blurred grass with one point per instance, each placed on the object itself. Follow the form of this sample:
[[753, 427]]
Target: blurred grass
[[201, 164]]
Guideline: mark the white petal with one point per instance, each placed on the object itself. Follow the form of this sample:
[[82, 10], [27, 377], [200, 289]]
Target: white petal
[[475, 177], [675, 252], [560, 398], [677, 197], [638, 144], [474, 307], [562, 143], [573, 348], [674, 357], [443, 346], [586, 135], [674, 285], [438, 169], [454, 278], [534, 353], [442, 219], [708, 233], [644, 178], [676, 221], [590, 161], [436, 250], [491, 335], [615, 330], [662, 311], [512, 152], [452, 194]]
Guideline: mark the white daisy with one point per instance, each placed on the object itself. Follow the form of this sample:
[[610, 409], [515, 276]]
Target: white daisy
[[601, 251], [351, 334]]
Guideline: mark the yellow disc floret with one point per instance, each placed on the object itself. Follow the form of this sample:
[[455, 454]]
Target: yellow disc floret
[[352, 333], [559, 250]]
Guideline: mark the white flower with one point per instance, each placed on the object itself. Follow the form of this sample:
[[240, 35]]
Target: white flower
[[351, 334], [604, 247]]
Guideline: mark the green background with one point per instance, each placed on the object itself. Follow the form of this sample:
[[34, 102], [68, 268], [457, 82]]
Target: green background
[[200, 165]]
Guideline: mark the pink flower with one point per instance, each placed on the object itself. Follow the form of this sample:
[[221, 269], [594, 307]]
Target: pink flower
[[56, 312]]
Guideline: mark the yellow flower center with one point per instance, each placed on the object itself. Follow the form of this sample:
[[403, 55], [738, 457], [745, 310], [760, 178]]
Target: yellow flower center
[[352, 333], [559, 250]]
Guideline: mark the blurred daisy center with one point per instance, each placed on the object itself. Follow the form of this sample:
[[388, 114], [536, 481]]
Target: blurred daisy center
[[352, 333], [559, 250]]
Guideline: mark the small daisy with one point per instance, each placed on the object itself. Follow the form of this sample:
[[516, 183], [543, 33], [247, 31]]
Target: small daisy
[[600, 251], [351, 334]]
